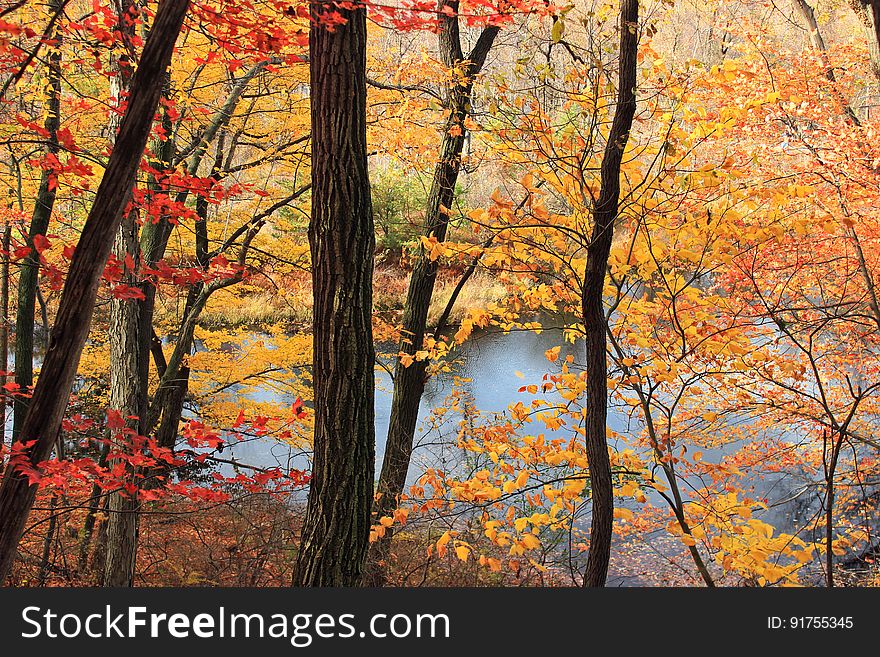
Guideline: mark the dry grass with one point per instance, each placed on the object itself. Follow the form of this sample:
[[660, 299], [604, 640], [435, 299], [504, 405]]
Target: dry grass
[[256, 307], [480, 291], [260, 308]]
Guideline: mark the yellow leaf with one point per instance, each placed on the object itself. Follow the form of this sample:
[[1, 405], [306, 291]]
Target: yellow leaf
[[623, 514], [557, 31], [463, 552], [530, 541]]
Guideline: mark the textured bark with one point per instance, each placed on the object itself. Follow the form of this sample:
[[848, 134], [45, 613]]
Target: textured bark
[[128, 397], [595, 323], [868, 13], [336, 528], [4, 327], [128, 391], [29, 273], [409, 382], [128, 385], [69, 334]]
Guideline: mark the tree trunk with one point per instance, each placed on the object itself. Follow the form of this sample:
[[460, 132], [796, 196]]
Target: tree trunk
[[29, 275], [153, 241], [409, 381], [47, 542], [166, 409], [128, 383], [336, 528], [868, 13], [96, 499], [604, 216], [808, 16], [4, 328], [128, 393], [69, 334]]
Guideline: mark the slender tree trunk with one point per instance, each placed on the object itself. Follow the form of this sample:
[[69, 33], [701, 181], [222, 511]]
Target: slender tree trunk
[[409, 381], [830, 463], [47, 542], [808, 17], [604, 216], [128, 385], [167, 407], [71, 328], [336, 528], [29, 275], [153, 241], [95, 501], [99, 556]]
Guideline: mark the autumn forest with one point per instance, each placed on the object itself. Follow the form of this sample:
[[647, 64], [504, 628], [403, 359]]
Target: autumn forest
[[434, 293]]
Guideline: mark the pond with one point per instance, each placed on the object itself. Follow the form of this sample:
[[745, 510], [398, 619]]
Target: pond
[[491, 368]]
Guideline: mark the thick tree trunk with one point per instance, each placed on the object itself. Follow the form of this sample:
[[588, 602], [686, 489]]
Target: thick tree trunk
[[868, 13], [128, 382], [336, 528], [604, 216], [69, 334], [4, 327], [128, 397], [409, 381], [29, 274]]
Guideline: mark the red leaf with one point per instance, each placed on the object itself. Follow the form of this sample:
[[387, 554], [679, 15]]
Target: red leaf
[[114, 419], [41, 243], [127, 292]]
